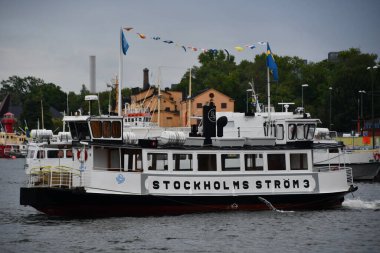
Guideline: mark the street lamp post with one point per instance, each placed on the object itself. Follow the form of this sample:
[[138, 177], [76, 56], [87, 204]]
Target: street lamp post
[[361, 111], [248, 90], [303, 85], [330, 88], [373, 113]]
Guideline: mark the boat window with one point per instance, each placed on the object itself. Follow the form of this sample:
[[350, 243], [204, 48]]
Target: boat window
[[96, 129], [230, 162], [253, 162], [206, 162], [138, 164], [157, 161], [300, 132], [132, 160], [309, 133], [54, 154], [69, 153], [333, 150], [31, 153], [116, 129], [41, 154], [276, 162], [272, 130], [113, 159], [266, 128], [106, 129], [292, 131], [183, 162], [298, 161], [79, 131], [280, 131]]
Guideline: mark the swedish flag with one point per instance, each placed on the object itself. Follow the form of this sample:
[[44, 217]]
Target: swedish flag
[[271, 64], [124, 43]]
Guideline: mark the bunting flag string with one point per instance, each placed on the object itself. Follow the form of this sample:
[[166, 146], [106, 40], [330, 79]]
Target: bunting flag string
[[142, 36], [187, 48]]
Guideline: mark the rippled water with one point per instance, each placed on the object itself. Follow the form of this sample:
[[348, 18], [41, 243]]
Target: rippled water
[[353, 228]]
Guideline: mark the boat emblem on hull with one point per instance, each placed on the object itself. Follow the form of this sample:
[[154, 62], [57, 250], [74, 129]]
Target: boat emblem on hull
[[120, 179]]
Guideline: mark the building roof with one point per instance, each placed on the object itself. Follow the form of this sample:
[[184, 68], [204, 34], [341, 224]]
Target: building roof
[[209, 89]]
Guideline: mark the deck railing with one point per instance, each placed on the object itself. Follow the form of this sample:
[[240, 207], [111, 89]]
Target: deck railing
[[55, 176], [335, 168]]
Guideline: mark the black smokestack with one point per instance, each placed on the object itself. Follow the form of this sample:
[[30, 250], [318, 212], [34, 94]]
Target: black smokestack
[[221, 122], [209, 122], [146, 84]]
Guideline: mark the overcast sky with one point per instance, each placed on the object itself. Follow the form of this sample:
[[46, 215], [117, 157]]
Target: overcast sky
[[53, 39]]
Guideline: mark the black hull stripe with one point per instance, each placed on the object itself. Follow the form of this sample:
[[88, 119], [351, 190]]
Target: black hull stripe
[[77, 203]]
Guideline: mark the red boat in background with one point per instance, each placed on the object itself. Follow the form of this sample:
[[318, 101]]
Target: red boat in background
[[12, 145]]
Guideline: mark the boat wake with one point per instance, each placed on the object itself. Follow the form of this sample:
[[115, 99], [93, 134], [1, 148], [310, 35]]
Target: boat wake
[[271, 207], [361, 204]]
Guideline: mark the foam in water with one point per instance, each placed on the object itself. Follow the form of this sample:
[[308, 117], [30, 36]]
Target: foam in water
[[361, 204], [271, 207]]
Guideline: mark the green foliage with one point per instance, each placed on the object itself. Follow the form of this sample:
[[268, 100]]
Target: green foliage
[[217, 70], [346, 76]]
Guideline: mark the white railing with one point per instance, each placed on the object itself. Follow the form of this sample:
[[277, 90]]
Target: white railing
[[350, 178], [55, 176], [335, 168]]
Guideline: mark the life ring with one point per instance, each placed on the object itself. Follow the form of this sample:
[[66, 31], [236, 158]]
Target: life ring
[[82, 155], [376, 156]]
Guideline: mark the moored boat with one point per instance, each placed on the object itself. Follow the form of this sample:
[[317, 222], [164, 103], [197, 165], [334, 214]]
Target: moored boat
[[12, 145], [365, 163]]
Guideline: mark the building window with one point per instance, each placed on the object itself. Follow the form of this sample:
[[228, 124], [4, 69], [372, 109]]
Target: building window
[[199, 105], [223, 105], [169, 118], [167, 109]]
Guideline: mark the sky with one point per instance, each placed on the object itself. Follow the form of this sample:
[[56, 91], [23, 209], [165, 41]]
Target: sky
[[53, 39]]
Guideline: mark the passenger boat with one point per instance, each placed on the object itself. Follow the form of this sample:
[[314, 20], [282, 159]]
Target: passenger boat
[[204, 171]]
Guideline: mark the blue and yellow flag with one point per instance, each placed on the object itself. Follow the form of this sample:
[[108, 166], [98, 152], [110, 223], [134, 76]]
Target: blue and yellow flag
[[271, 64], [124, 43]]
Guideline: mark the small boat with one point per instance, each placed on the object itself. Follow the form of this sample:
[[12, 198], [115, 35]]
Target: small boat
[[204, 171], [365, 164], [12, 145]]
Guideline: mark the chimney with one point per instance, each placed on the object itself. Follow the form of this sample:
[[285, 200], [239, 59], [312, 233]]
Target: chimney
[[146, 84], [92, 74]]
